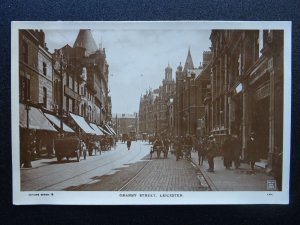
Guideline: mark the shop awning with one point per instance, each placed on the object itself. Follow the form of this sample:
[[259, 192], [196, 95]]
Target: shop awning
[[56, 122], [98, 131], [104, 131], [106, 127], [37, 120], [111, 130], [82, 124]]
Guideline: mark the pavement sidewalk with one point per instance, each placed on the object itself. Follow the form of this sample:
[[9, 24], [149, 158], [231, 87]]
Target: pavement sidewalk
[[233, 179]]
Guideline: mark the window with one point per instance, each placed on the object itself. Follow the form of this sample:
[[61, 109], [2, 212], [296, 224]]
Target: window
[[44, 69], [44, 97], [25, 51], [90, 113], [24, 88], [71, 105]]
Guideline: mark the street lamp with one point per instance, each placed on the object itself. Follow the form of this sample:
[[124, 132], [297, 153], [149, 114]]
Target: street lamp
[[155, 115], [59, 59], [27, 163]]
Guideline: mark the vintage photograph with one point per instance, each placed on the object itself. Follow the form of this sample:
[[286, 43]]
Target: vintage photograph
[[151, 112]]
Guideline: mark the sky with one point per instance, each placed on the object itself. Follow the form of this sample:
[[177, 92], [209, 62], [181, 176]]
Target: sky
[[137, 58]]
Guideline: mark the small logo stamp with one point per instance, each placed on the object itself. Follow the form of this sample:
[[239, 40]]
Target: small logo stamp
[[271, 185]]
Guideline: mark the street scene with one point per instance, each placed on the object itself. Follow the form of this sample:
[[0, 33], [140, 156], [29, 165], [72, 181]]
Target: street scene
[[150, 110], [133, 170]]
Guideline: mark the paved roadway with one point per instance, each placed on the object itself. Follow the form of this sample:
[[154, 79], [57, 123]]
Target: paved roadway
[[116, 170], [49, 175]]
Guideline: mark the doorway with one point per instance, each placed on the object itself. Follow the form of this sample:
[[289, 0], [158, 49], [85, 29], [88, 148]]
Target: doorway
[[261, 126]]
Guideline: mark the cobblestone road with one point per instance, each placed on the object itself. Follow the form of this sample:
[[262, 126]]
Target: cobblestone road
[[168, 175]]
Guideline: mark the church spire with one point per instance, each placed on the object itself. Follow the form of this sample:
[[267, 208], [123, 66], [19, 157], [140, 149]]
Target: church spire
[[188, 62]]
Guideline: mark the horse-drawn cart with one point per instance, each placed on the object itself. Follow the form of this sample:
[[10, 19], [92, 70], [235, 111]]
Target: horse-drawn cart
[[158, 150], [67, 147]]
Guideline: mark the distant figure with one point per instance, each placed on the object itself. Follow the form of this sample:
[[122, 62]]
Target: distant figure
[[200, 149], [236, 149], [177, 146], [128, 143], [227, 150], [252, 150], [158, 146], [211, 152], [83, 149]]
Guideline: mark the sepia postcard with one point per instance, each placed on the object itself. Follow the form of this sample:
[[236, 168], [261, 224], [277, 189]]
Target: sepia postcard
[[150, 113]]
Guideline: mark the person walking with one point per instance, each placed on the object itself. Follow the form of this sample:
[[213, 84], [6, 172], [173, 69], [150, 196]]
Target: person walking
[[211, 152], [166, 143], [200, 149], [177, 146], [83, 149], [227, 151], [188, 146], [252, 150], [128, 143], [236, 150], [158, 146]]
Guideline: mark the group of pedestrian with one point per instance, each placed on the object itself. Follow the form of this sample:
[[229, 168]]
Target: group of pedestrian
[[162, 144], [207, 148], [231, 151], [183, 146]]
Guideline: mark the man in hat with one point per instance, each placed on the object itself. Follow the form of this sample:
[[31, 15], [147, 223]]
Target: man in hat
[[252, 150], [211, 152]]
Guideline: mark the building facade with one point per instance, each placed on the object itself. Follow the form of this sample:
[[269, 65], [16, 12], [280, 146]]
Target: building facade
[[35, 69], [85, 79], [192, 85], [156, 113], [247, 89], [125, 123]]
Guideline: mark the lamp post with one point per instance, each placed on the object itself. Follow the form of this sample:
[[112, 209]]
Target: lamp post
[[155, 115], [27, 163], [61, 63]]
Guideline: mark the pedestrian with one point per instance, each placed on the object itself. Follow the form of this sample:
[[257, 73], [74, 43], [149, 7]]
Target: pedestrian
[[158, 146], [227, 151], [189, 146], [236, 149], [211, 153], [177, 146], [83, 149], [166, 143], [200, 149], [128, 143], [252, 150]]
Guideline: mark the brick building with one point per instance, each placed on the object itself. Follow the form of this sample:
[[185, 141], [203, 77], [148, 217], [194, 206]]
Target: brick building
[[247, 89], [35, 69], [85, 79], [192, 85], [156, 107]]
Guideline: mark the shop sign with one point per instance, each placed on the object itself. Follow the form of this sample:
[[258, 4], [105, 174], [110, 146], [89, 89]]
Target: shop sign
[[71, 93]]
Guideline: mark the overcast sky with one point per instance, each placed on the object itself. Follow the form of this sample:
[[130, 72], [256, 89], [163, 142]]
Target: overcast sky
[[137, 58]]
